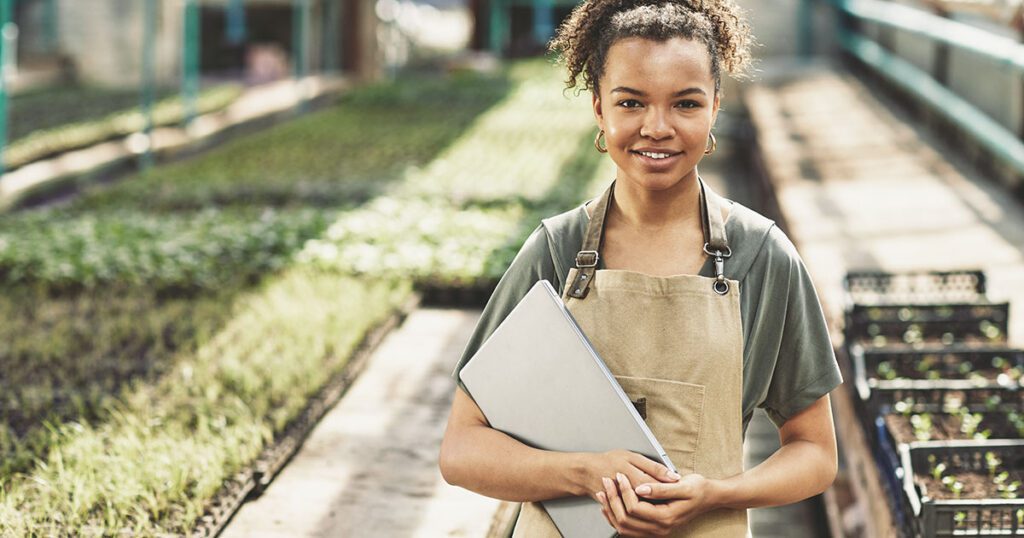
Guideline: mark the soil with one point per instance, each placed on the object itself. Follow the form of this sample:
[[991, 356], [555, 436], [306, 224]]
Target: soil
[[947, 427], [977, 485]]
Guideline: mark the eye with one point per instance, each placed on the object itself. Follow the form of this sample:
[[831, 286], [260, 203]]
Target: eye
[[629, 103], [689, 103]]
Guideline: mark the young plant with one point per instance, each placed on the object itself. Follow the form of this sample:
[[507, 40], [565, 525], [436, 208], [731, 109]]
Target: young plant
[[1006, 489], [886, 371], [969, 423], [922, 426], [992, 462], [953, 485], [936, 468]]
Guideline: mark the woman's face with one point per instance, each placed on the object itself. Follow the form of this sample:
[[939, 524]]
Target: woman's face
[[656, 105]]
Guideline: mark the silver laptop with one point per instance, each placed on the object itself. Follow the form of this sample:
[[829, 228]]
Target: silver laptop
[[538, 379]]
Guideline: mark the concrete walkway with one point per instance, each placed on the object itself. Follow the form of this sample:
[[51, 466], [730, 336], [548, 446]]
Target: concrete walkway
[[370, 467]]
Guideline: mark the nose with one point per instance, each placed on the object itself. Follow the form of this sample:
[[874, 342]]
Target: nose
[[655, 125]]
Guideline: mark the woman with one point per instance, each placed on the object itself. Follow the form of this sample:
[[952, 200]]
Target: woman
[[700, 307]]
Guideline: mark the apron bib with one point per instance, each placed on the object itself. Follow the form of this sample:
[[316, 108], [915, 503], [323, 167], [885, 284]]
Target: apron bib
[[674, 343]]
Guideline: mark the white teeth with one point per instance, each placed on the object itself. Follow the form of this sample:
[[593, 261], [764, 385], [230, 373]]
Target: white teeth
[[653, 155]]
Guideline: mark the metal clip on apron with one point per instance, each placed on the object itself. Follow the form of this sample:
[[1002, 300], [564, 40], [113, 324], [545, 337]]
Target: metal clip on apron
[[677, 343]]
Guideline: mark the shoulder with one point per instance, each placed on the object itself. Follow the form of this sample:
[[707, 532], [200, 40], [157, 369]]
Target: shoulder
[[754, 239], [564, 235]]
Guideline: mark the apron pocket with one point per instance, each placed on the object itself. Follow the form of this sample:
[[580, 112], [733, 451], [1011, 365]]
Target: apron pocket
[[674, 413]]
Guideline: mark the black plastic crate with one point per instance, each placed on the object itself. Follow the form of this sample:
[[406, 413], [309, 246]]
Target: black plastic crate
[[887, 459], [947, 323], [960, 517], [875, 395], [915, 287]]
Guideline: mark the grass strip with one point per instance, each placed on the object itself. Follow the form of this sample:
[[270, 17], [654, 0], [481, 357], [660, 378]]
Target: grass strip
[[460, 221], [49, 141], [338, 157], [153, 464], [206, 250]]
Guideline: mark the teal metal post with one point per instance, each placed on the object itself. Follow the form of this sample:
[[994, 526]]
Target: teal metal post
[[330, 33], [6, 15], [543, 15], [498, 24], [148, 79], [236, 29], [806, 25], [300, 32], [50, 25], [190, 61]]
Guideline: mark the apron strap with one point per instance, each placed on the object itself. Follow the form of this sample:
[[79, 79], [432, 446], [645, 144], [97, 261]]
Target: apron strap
[[716, 244], [586, 259]]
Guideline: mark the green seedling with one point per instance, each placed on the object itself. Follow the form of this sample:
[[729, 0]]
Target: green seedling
[[960, 518], [886, 371], [969, 423], [965, 368], [938, 470], [953, 485], [1000, 363], [903, 407], [992, 462], [922, 426], [992, 402]]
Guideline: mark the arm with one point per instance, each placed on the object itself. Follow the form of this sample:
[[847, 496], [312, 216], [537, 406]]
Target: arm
[[487, 461], [804, 466]]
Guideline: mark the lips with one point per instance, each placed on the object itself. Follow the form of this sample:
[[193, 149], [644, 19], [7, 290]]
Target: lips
[[656, 158], [656, 153]]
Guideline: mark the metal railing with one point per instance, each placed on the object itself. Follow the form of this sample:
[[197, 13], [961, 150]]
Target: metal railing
[[931, 86]]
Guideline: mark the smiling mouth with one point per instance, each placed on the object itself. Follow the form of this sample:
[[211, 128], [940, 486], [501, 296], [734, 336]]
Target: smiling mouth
[[654, 154]]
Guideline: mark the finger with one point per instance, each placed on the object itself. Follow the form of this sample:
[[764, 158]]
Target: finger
[[653, 468], [624, 521], [614, 500], [658, 490], [605, 509], [629, 499]]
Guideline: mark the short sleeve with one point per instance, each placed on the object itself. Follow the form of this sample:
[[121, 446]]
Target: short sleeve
[[532, 263], [805, 367]]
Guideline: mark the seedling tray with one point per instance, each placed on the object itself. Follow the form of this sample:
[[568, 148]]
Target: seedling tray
[[947, 323], [935, 517], [916, 287], [977, 393]]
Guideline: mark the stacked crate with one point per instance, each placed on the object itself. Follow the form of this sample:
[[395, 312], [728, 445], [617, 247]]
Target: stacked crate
[[930, 359]]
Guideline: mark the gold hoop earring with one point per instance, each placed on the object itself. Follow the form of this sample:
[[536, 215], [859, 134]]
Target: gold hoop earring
[[714, 144], [597, 142]]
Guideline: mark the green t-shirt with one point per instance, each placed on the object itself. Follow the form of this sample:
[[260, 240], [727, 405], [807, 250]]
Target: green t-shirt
[[788, 360]]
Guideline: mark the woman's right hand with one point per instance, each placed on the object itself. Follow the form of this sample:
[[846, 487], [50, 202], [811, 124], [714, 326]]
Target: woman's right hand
[[637, 468]]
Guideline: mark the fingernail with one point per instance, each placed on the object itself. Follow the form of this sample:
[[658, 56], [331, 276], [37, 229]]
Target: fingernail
[[643, 490], [600, 495], [606, 481], [674, 475], [621, 477]]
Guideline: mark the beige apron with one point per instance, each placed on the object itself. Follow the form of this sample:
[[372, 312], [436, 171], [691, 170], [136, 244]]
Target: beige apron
[[675, 345]]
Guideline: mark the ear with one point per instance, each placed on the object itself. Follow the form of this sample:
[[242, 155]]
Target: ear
[[598, 114], [714, 108]]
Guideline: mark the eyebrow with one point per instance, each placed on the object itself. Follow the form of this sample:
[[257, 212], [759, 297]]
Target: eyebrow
[[680, 93]]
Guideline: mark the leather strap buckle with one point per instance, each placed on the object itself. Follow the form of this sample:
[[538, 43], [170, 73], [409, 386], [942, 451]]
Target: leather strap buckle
[[586, 258]]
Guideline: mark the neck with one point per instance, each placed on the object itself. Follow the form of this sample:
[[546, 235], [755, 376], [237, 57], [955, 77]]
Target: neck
[[647, 209]]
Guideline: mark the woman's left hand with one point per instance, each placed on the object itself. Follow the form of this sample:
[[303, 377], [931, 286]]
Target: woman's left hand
[[632, 515]]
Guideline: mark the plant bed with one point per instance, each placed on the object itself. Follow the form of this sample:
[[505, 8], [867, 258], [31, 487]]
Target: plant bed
[[989, 379], [965, 487], [54, 139], [962, 425], [949, 323]]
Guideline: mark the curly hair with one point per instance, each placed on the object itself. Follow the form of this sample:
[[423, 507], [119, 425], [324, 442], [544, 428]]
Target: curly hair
[[593, 26]]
